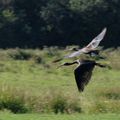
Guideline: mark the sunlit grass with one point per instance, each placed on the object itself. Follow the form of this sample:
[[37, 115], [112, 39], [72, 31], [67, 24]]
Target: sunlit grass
[[41, 86], [9, 116]]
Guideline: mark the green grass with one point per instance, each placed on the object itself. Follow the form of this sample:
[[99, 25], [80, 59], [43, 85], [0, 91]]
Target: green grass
[[31, 81], [6, 116]]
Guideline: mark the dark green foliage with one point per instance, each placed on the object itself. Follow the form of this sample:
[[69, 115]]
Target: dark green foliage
[[35, 23], [20, 54], [38, 59], [15, 106], [59, 104], [111, 94]]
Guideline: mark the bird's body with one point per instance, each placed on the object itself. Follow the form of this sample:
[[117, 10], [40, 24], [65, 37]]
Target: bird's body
[[83, 72]]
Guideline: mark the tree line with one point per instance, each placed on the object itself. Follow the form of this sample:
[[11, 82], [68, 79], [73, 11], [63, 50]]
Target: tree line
[[38, 23]]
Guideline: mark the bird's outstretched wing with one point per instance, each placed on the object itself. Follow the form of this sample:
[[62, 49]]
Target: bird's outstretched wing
[[91, 46], [74, 54], [95, 42], [83, 74]]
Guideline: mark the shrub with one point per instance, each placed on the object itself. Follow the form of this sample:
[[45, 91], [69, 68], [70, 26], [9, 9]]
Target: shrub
[[59, 104], [65, 104], [74, 107], [19, 54], [13, 100], [14, 105], [111, 93], [37, 59], [107, 101], [105, 106]]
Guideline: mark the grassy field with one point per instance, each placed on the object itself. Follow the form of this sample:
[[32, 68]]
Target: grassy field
[[30, 83], [7, 116]]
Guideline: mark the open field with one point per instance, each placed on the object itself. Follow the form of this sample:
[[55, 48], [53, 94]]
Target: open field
[[30, 83], [59, 117]]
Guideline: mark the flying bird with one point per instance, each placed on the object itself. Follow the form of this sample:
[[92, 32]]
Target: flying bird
[[83, 72], [89, 49]]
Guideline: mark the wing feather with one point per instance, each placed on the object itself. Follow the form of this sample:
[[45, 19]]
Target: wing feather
[[74, 54], [96, 41], [92, 45], [83, 75]]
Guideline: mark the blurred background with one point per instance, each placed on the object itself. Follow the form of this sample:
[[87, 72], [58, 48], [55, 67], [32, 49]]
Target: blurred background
[[38, 23]]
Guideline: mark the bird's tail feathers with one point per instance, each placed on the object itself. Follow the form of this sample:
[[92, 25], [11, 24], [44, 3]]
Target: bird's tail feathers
[[81, 87]]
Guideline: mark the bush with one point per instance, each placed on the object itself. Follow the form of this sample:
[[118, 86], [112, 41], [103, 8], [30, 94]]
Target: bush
[[107, 101], [37, 59], [62, 104], [19, 54], [110, 94], [105, 106], [59, 104], [13, 100], [15, 106]]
